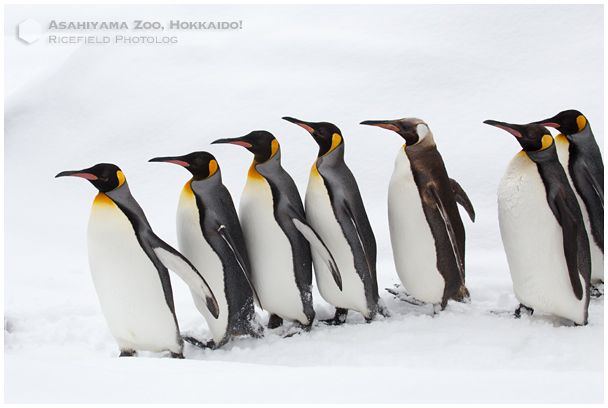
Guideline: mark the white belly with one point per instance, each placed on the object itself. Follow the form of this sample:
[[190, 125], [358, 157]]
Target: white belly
[[321, 218], [193, 246], [270, 253], [533, 243], [597, 257], [411, 237], [127, 284]]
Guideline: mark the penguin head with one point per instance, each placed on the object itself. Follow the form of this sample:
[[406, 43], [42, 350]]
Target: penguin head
[[202, 165], [568, 122], [259, 142], [532, 137], [327, 135], [413, 130], [104, 176]]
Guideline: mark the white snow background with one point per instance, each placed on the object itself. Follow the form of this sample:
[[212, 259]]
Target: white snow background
[[71, 106]]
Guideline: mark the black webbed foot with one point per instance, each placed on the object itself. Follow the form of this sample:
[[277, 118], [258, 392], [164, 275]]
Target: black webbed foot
[[274, 321], [198, 343], [527, 309], [338, 319], [596, 291]]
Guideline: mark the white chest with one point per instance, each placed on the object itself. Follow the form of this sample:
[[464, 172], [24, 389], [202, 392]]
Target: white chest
[[320, 215], [270, 253], [127, 283], [411, 237], [194, 246]]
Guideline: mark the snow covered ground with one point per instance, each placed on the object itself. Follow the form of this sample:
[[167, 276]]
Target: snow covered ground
[[69, 106]]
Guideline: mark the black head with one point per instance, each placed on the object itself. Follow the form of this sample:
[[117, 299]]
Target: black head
[[413, 130], [104, 176], [327, 135], [259, 142], [202, 165], [567, 122], [532, 137]]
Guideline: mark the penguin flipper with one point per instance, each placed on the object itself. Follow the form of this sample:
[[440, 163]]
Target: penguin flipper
[[450, 229], [226, 236], [570, 238], [597, 187], [463, 199], [317, 243], [176, 262], [359, 231]]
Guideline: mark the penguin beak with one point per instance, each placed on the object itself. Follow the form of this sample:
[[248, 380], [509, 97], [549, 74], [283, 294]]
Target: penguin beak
[[551, 122], [77, 173], [504, 126], [239, 141], [306, 125], [386, 124], [175, 160]]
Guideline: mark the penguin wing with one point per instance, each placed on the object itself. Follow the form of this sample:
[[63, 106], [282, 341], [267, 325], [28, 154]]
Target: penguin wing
[[223, 231], [434, 196], [462, 199], [570, 238], [597, 187], [359, 230], [175, 261], [317, 243]]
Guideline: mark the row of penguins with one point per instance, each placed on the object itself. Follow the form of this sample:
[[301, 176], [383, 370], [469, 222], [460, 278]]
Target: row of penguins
[[550, 205]]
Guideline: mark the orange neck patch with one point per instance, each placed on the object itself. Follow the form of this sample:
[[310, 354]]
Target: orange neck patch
[[187, 190], [102, 199], [253, 173], [314, 171]]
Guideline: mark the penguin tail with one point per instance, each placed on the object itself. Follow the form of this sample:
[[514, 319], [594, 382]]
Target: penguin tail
[[462, 295]]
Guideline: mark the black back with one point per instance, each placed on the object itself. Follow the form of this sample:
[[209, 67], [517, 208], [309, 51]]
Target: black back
[[585, 163], [429, 171]]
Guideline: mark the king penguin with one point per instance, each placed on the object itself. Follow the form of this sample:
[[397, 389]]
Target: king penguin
[[542, 228], [427, 233], [277, 235], [129, 265], [335, 210], [580, 155], [210, 236]]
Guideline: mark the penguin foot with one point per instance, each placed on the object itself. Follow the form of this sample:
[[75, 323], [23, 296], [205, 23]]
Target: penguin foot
[[400, 293], [383, 310], [274, 321], [297, 329], [527, 309], [437, 307], [597, 291], [256, 332], [127, 353], [177, 355], [195, 342], [338, 319], [306, 327]]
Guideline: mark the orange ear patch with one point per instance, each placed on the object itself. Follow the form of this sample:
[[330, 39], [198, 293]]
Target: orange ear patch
[[212, 168], [581, 121]]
